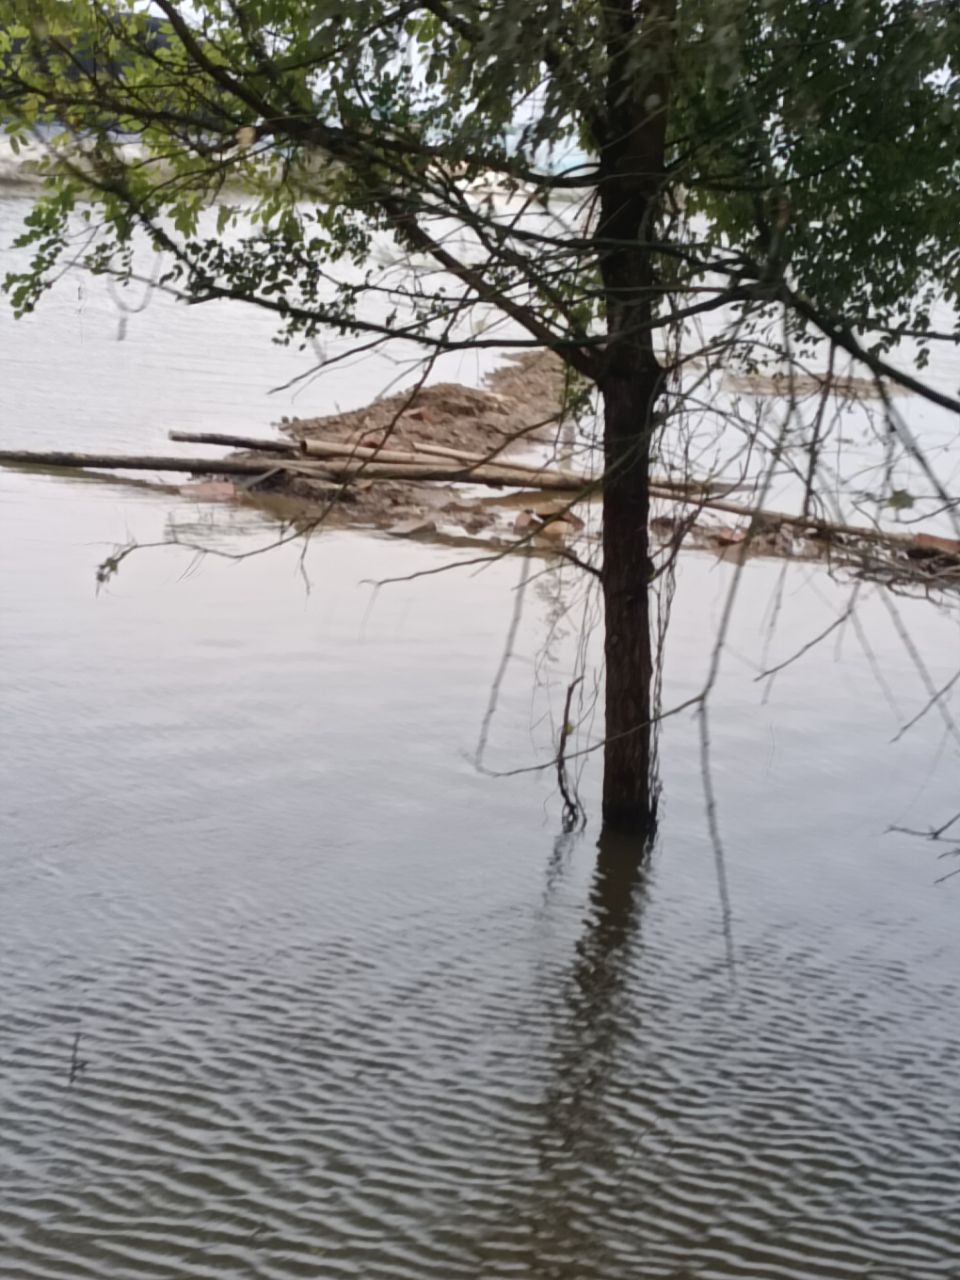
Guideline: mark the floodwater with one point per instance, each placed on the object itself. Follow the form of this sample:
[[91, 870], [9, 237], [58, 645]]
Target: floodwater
[[291, 989]]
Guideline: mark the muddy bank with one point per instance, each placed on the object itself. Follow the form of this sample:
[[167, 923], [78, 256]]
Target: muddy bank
[[521, 408], [517, 410]]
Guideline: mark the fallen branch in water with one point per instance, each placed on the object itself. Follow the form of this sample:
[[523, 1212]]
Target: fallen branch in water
[[423, 455], [346, 464], [456, 461], [342, 467], [137, 462], [812, 525], [390, 464], [234, 441], [339, 468]]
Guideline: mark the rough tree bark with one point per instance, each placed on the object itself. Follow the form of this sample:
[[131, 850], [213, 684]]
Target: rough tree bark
[[632, 169], [629, 785]]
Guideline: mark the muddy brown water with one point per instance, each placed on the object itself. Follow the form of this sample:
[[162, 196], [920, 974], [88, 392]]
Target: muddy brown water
[[348, 1007]]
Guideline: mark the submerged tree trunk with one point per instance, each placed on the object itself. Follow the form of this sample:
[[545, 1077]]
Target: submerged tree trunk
[[631, 144], [629, 782]]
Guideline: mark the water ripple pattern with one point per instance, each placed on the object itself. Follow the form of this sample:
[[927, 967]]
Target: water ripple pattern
[[315, 1044]]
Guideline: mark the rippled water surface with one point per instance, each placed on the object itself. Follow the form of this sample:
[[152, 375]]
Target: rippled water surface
[[336, 1004]]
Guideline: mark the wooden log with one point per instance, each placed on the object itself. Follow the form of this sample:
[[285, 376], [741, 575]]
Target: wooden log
[[479, 459], [417, 456], [137, 462], [459, 455], [413, 473], [570, 479], [234, 441], [345, 448], [343, 451], [332, 468], [495, 473], [490, 477], [420, 454], [328, 468], [710, 487]]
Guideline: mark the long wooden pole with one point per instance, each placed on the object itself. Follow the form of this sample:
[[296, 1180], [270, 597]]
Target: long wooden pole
[[472, 464], [327, 468], [420, 451], [478, 459], [139, 462], [235, 442], [344, 449], [439, 472]]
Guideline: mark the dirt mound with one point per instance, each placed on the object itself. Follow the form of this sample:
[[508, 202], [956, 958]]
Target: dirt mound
[[519, 402]]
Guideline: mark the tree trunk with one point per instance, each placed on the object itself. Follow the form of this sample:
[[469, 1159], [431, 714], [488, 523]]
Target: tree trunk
[[629, 782], [631, 145]]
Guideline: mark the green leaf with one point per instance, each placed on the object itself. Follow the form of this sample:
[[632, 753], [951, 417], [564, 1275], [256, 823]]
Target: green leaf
[[901, 500]]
